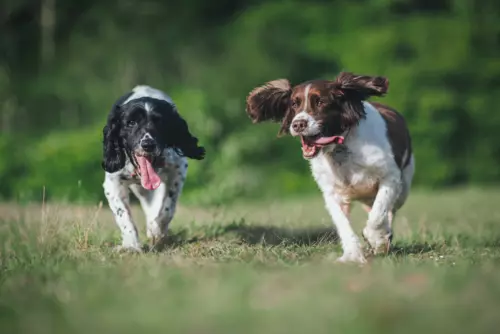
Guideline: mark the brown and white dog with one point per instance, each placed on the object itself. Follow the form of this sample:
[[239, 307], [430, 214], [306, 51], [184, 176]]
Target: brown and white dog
[[358, 150]]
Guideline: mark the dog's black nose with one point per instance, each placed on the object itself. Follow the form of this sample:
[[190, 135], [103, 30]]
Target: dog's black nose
[[148, 145], [299, 125]]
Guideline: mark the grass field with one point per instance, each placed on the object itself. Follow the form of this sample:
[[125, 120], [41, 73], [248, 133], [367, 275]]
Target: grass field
[[253, 268]]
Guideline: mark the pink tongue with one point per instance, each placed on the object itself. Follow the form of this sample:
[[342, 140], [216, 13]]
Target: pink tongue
[[329, 140], [149, 179]]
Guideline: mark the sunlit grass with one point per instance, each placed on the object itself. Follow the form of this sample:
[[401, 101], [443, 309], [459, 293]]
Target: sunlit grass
[[252, 268]]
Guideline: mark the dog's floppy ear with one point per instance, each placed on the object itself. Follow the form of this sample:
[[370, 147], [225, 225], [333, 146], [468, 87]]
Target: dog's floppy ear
[[113, 154], [363, 86], [113, 158], [270, 102], [351, 89], [181, 139]]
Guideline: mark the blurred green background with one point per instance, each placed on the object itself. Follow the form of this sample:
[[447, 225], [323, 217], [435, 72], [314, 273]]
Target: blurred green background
[[64, 62]]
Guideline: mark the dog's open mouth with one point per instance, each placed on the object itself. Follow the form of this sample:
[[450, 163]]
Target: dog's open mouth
[[311, 145], [149, 178]]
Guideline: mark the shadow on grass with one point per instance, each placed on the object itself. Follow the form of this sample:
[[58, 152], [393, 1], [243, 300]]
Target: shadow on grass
[[242, 233], [252, 235], [413, 249], [450, 242], [274, 236], [268, 235]]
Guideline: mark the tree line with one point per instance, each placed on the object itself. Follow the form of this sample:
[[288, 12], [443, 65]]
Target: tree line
[[63, 63]]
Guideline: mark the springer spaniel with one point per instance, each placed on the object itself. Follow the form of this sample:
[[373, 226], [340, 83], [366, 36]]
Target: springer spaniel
[[145, 149], [357, 150]]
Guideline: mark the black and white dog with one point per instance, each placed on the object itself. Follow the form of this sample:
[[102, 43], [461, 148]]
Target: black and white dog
[[145, 149]]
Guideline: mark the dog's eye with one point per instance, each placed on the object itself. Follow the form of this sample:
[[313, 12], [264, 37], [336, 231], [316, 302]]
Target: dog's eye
[[295, 103], [131, 123], [320, 102]]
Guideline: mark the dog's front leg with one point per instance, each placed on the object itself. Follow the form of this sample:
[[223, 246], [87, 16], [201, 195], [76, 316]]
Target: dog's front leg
[[164, 202], [117, 195], [351, 245], [378, 231]]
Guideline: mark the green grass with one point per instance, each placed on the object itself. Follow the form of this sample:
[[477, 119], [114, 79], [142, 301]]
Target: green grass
[[253, 268]]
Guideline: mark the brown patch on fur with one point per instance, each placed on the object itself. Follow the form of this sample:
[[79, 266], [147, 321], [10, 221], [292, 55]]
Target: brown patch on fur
[[269, 102], [364, 85], [351, 90], [364, 194], [337, 105], [398, 133]]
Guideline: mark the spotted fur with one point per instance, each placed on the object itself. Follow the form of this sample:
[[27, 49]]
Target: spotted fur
[[159, 205]]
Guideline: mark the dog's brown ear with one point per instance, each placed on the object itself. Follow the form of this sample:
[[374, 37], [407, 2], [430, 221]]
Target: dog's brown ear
[[269, 102], [363, 86]]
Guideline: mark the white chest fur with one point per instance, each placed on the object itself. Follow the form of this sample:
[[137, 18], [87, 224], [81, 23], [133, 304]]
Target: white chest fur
[[354, 172]]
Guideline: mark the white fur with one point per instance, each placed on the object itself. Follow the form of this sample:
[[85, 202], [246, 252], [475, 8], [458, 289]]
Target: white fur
[[148, 107], [313, 128], [159, 205], [147, 135], [306, 97], [148, 91], [369, 161]]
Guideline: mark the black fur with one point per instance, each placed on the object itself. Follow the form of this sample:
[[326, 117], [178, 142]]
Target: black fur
[[179, 137], [128, 123], [113, 149]]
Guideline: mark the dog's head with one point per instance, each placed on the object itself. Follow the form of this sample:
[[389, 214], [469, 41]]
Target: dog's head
[[319, 111], [141, 129]]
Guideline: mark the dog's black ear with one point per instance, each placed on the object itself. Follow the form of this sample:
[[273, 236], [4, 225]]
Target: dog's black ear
[[181, 139], [113, 153], [113, 158]]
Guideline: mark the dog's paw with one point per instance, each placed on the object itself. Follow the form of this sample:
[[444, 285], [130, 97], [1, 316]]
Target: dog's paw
[[352, 257], [127, 249], [379, 240], [157, 243]]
